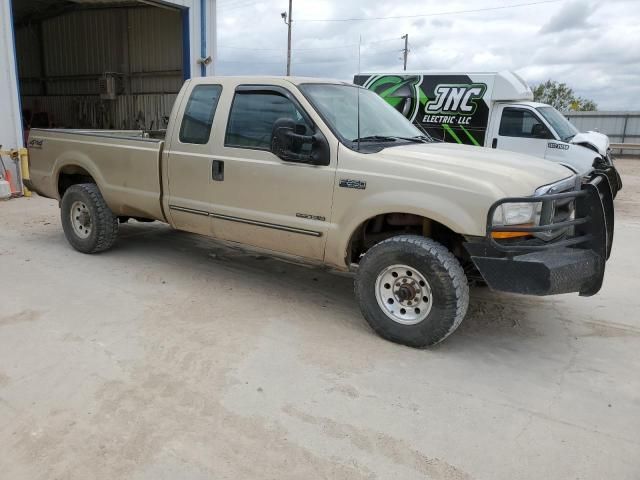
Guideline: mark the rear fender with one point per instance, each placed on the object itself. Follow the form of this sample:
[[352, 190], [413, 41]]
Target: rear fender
[[77, 160]]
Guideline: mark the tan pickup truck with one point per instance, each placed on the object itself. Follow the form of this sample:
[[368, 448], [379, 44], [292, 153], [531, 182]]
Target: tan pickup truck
[[329, 173]]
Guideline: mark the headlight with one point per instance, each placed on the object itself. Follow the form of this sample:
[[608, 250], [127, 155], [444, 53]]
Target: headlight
[[570, 183], [533, 214], [517, 214]]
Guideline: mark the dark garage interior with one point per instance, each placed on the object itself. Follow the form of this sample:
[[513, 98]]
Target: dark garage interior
[[99, 64]]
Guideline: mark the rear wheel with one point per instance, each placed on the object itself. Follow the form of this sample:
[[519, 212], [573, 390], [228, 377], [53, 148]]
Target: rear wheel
[[88, 223], [412, 290]]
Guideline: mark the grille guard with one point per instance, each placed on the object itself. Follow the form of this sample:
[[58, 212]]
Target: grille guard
[[593, 227]]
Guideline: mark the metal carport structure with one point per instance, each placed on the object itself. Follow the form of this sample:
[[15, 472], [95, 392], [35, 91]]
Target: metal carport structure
[[32, 32]]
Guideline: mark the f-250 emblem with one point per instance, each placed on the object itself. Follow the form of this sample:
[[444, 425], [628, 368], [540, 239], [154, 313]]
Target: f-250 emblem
[[349, 183], [456, 98]]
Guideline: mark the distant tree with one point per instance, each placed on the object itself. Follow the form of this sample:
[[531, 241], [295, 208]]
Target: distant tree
[[561, 97], [584, 104]]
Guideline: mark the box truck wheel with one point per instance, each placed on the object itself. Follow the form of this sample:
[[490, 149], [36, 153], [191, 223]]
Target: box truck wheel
[[412, 290], [88, 223]]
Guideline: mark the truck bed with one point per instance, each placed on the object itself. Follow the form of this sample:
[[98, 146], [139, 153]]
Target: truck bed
[[123, 134], [125, 163]]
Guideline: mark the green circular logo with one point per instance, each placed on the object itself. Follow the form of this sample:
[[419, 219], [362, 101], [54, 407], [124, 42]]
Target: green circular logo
[[401, 92]]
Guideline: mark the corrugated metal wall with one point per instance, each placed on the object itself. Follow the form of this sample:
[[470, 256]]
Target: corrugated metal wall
[[620, 127], [127, 112], [61, 60], [155, 52]]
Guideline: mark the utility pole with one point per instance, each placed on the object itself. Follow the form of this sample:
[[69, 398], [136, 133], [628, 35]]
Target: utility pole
[[405, 50], [287, 20]]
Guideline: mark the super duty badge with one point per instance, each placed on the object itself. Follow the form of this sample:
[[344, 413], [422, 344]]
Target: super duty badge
[[559, 146]]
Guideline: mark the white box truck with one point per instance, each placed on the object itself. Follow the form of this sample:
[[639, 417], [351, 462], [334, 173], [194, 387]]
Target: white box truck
[[493, 110]]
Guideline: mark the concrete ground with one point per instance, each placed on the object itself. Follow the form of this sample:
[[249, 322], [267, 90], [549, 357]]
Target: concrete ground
[[171, 357]]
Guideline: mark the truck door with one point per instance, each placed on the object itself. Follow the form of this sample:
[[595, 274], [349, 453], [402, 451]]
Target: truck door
[[519, 129], [189, 161], [261, 200]]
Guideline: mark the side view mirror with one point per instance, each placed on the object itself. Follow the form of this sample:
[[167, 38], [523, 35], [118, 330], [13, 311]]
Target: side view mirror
[[539, 131], [289, 143]]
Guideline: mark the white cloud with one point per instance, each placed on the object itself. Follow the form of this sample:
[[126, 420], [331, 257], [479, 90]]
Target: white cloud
[[572, 15], [597, 53]]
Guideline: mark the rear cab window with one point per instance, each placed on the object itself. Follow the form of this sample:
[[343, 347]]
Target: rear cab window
[[199, 113]]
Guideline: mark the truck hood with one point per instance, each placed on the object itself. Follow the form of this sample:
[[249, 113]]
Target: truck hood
[[505, 173], [597, 140]]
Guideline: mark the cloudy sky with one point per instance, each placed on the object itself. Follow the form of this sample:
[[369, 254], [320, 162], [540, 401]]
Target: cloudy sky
[[592, 45]]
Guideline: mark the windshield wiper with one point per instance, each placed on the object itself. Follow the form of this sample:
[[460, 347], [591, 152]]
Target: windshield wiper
[[569, 138], [389, 138], [417, 139], [375, 138]]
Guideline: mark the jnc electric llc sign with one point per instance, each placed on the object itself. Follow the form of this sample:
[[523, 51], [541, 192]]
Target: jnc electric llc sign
[[448, 107]]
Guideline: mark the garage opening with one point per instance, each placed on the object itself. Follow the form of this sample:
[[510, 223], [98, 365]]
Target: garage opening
[[99, 63]]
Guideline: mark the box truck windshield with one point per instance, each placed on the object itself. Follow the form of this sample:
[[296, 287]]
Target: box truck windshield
[[565, 130]]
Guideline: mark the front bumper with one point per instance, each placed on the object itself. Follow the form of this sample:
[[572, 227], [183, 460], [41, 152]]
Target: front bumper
[[575, 262]]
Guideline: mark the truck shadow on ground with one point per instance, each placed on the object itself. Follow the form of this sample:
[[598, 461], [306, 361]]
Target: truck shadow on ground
[[490, 314]]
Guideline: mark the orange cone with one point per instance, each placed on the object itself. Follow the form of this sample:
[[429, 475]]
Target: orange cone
[[12, 185]]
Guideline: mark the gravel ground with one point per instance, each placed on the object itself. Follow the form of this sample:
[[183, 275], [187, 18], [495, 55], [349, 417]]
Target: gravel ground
[[172, 357]]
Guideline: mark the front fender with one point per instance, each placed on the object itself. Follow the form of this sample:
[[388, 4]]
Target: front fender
[[576, 158], [450, 213]]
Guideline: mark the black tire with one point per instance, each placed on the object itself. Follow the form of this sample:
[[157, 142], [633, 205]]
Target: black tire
[[103, 223], [441, 270]]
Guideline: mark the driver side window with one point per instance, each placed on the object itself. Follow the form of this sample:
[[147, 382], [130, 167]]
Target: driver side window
[[517, 122], [253, 114]]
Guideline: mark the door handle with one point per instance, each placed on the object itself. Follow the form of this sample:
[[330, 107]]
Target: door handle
[[217, 170], [494, 143]]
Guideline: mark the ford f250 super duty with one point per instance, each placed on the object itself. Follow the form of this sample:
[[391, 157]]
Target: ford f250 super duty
[[329, 173]]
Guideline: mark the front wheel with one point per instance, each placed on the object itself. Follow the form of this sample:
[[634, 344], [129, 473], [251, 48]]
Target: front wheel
[[412, 290], [88, 223]]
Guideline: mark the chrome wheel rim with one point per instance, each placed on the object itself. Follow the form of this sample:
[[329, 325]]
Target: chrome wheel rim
[[81, 219], [403, 294]]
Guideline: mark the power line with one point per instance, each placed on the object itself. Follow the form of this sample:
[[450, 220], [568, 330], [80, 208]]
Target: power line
[[321, 60], [333, 47], [324, 62], [247, 63], [236, 5], [453, 12]]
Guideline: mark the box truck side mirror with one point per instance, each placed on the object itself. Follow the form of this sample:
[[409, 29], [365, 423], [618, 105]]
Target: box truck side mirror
[[540, 131]]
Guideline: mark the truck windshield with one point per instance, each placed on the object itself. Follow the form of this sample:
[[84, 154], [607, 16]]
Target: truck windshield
[[565, 130], [379, 122]]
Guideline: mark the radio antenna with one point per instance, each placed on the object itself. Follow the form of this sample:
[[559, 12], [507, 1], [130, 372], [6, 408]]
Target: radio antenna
[[359, 46], [358, 90]]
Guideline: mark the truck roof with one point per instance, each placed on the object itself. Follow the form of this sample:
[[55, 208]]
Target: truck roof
[[267, 79], [533, 104]]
